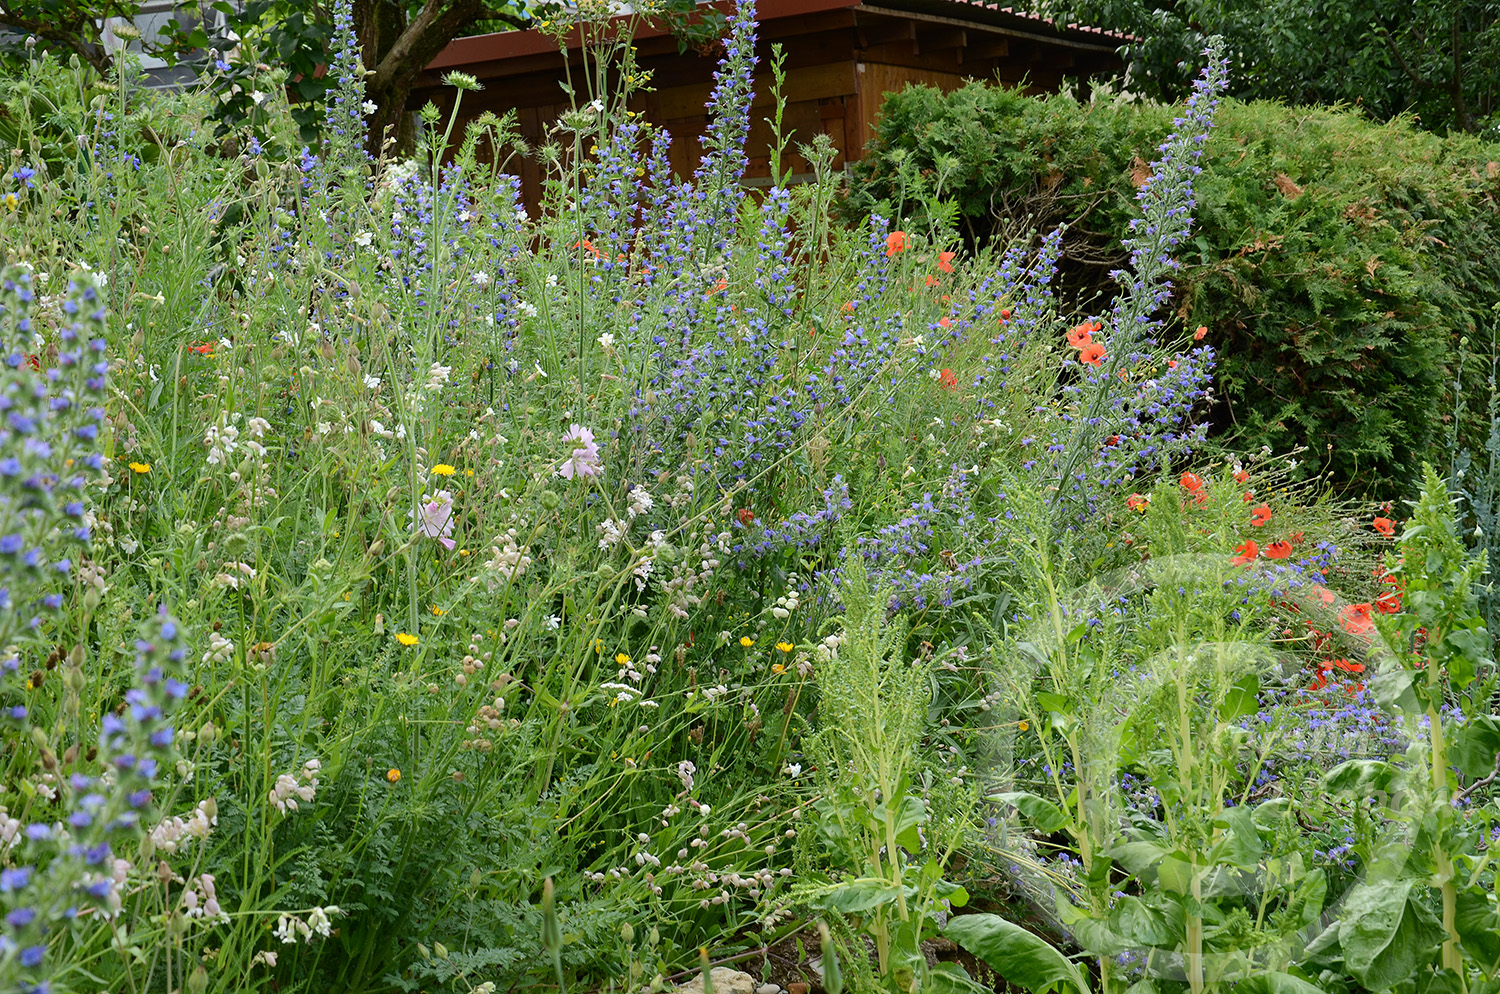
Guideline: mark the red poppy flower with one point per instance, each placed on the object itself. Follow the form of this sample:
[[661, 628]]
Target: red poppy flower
[[35, 362], [1295, 538], [1260, 515], [1081, 336], [1323, 594], [1248, 551], [1357, 618], [1241, 476], [1093, 354], [1112, 441], [1385, 526], [947, 380], [945, 322], [1278, 550], [719, 287], [1200, 333], [1389, 602], [945, 261], [1348, 667], [202, 348], [894, 242], [1191, 482], [1005, 314], [745, 515], [931, 281], [1136, 502]]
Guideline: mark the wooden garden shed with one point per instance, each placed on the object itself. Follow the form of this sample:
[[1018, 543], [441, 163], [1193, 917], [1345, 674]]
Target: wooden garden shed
[[842, 57]]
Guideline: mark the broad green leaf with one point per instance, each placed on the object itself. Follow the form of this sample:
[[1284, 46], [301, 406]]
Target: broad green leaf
[[1476, 745], [1275, 983], [1241, 700], [1478, 926], [1016, 954], [1240, 844], [1360, 777], [1383, 936], [1043, 815], [858, 896], [950, 978], [1139, 856], [910, 813]]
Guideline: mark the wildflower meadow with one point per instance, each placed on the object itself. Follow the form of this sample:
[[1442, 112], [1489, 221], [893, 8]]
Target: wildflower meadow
[[402, 589]]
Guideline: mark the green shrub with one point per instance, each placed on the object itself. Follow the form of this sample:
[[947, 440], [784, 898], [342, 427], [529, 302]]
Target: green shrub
[[1336, 263]]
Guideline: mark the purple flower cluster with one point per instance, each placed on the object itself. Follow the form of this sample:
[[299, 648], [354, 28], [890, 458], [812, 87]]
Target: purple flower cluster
[[67, 873], [49, 434], [344, 112], [724, 161]]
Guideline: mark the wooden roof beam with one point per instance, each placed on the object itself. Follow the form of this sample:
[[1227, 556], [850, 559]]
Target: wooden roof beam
[[884, 30], [935, 39]]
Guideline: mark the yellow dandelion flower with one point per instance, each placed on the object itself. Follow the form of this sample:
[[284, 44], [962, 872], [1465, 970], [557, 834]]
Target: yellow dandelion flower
[[785, 646], [406, 639], [140, 467], [443, 469], [746, 641], [622, 658], [1022, 725], [393, 775], [12, 201], [778, 668]]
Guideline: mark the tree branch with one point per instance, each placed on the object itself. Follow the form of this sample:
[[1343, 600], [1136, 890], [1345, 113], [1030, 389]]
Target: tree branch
[[1405, 67], [68, 33], [1460, 105], [1471, 788], [424, 38]]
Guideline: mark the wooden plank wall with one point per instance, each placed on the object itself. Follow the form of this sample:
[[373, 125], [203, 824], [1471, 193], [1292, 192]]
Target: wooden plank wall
[[839, 66]]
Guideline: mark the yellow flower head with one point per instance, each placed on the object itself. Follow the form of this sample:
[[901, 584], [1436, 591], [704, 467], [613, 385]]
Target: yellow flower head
[[12, 201], [438, 611], [443, 469], [746, 641], [393, 775], [778, 668], [406, 639], [1022, 725], [140, 467], [785, 646], [622, 658]]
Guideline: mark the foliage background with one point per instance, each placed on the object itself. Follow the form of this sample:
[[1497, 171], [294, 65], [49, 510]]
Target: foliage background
[[1339, 264]]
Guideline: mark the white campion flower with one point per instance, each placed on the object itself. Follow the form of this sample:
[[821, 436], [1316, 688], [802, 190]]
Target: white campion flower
[[220, 649], [287, 791], [610, 532], [641, 502], [221, 443]]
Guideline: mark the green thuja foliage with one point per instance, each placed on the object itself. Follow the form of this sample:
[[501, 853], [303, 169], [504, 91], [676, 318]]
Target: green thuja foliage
[[1335, 263]]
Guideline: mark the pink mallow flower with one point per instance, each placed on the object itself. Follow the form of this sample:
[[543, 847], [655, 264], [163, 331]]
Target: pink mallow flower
[[434, 519], [585, 458]]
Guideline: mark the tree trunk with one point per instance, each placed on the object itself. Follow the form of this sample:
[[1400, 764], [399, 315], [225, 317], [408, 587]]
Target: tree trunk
[[396, 49]]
